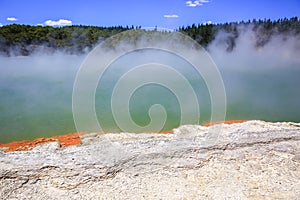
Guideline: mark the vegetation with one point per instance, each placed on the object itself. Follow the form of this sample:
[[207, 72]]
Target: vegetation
[[18, 39], [24, 39], [263, 29]]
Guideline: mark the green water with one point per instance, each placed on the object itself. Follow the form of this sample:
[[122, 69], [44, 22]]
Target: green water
[[36, 96], [271, 95], [144, 97]]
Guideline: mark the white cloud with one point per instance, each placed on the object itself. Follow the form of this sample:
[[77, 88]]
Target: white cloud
[[196, 3], [207, 22], [40, 24], [11, 19], [193, 4], [171, 16], [1, 25], [60, 22]]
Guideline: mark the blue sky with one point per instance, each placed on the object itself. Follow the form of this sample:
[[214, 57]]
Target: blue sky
[[145, 13]]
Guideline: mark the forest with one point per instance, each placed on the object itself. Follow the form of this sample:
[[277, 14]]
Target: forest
[[16, 39]]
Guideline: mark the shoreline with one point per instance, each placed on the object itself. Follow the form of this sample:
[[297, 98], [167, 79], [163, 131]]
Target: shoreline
[[71, 139], [249, 160]]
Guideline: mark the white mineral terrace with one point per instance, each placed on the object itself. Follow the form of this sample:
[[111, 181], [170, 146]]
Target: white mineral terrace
[[250, 160]]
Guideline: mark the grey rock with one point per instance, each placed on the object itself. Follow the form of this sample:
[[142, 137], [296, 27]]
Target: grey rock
[[3, 149], [46, 147], [251, 160], [297, 157]]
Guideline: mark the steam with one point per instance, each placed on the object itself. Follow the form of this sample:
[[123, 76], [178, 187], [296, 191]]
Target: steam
[[36, 95], [260, 82], [281, 50]]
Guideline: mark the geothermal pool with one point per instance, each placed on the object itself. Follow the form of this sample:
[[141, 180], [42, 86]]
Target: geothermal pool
[[36, 95]]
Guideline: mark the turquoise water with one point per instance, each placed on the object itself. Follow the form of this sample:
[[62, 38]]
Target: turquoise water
[[271, 95], [36, 96], [146, 96]]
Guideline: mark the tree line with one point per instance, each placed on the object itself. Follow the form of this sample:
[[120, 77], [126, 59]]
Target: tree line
[[263, 29], [24, 39], [16, 39]]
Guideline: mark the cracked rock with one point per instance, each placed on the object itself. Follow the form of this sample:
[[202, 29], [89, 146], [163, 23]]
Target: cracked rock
[[250, 160]]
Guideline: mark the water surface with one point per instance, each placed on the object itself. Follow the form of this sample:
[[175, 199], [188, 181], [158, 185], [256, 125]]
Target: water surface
[[36, 96]]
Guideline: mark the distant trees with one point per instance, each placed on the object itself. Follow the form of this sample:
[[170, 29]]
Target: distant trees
[[264, 29], [24, 39], [18, 39]]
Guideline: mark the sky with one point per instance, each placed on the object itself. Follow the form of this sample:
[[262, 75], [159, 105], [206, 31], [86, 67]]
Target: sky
[[169, 14]]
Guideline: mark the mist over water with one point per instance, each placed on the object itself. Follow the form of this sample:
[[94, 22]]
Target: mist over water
[[261, 83], [150, 94], [36, 96]]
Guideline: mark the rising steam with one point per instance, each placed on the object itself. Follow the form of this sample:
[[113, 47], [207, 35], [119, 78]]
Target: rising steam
[[261, 83]]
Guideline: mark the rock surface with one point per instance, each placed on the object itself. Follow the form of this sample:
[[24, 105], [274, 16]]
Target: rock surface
[[251, 160]]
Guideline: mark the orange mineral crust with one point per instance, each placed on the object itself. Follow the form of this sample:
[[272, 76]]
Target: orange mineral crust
[[71, 139], [64, 140], [226, 122]]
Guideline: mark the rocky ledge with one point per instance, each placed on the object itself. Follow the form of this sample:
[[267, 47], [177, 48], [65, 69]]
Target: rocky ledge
[[250, 160]]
